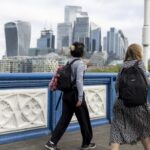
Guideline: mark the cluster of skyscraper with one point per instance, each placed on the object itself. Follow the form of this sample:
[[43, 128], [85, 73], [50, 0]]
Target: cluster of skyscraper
[[18, 36], [76, 27]]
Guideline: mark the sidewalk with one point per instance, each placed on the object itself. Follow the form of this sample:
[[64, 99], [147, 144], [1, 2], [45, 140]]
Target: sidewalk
[[70, 141]]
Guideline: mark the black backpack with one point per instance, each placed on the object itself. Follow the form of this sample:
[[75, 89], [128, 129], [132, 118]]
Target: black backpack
[[64, 82], [133, 87]]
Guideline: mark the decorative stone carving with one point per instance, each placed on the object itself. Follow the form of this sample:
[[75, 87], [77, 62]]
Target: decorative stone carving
[[95, 97], [23, 109]]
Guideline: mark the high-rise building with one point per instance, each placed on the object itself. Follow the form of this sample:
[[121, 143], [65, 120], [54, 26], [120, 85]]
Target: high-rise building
[[47, 40], [81, 30], [123, 45], [64, 30], [18, 35], [64, 35], [105, 44], [71, 13], [115, 43], [95, 37], [111, 40], [76, 27]]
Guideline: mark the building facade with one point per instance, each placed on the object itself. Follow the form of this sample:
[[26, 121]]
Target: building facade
[[95, 38], [115, 43], [71, 13], [25, 64], [47, 40], [65, 29], [81, 30], [64, 35], [18, 35], [40, 51], [76, 27]]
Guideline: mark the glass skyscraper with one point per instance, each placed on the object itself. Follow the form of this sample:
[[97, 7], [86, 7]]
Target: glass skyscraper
[[65, 29], [64, 35], [95, 37], [115, 43], [76, 27], [18, 35], [81, 30], [71, 13]]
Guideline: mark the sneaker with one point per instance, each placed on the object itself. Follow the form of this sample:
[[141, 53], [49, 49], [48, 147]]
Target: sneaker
[[90, 146], [51, 146]]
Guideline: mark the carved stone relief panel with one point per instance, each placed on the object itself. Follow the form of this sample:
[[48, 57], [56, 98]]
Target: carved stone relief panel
[[95, 97], [23, 109]]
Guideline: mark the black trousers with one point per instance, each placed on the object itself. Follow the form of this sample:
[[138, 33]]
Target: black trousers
[[82, 114]]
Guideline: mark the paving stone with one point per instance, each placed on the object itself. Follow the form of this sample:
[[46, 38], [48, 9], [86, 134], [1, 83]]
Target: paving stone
[[70, 141]]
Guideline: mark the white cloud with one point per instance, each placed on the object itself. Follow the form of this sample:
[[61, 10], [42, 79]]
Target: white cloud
[[126, 15]]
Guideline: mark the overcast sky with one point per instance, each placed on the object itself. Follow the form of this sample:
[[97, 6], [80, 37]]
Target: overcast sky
[[126, 15]]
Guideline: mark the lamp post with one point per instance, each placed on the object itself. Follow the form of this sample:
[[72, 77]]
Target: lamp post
[[146, 32]]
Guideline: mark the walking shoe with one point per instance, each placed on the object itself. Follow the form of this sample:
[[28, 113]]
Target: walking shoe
[[51, 146], [90, 146]]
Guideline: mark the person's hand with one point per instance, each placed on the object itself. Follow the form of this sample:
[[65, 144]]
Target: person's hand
[[78, 104]]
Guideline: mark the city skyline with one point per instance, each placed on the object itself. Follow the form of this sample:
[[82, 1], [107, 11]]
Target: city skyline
[[127, 16]]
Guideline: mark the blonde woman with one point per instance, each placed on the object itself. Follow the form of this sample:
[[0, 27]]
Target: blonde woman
[[130, 124]]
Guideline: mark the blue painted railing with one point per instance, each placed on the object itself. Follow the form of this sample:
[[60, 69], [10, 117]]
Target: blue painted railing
[[41, 80]]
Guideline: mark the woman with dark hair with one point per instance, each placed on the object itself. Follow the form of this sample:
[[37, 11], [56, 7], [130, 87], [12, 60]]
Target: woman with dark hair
[[130, 124], [74, 102]]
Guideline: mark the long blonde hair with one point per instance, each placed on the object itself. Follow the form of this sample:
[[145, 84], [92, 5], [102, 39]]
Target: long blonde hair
[[134, 52]]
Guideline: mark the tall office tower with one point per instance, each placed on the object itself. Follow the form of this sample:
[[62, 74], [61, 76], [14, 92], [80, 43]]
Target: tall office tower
[[105, 44], [64, 35], [74, 28], [71, 13], [116, 43], [47, 40], [18, 35], [64, 30], [95, 37], [81, 30], [123, 45], [111, 41]]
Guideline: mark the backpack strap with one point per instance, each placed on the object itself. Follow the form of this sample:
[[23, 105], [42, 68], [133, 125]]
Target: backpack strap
[[141, 71], [137, 63], [74, 81], [74, 61]]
